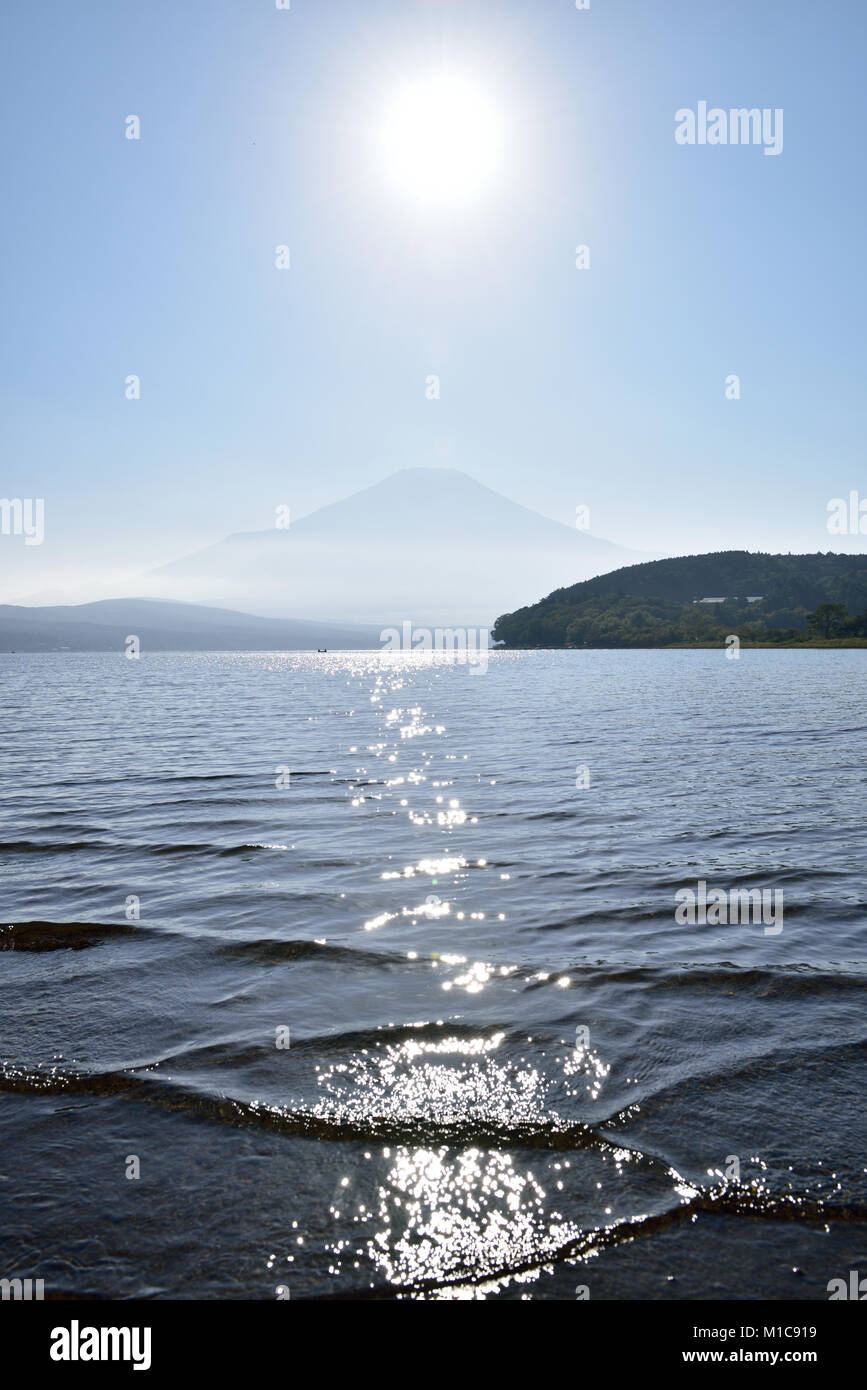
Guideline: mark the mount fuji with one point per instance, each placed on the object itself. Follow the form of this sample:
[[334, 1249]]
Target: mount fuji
[[431, 545]]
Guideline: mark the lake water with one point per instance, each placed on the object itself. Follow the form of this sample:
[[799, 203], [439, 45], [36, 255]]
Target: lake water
[[510, 1071]]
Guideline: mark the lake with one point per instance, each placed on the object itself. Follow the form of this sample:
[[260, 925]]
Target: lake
[[354, 975]]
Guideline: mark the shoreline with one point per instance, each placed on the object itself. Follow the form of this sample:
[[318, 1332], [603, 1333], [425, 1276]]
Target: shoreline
[[818, 645]]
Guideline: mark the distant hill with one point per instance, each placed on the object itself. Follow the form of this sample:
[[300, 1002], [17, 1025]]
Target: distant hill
[[665, 602], [430, 545], [161, 626]]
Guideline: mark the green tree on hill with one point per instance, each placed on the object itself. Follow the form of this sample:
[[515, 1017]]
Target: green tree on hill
[[827, 620]]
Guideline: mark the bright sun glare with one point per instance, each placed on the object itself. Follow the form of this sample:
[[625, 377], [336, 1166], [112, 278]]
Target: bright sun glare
[[440, 139]]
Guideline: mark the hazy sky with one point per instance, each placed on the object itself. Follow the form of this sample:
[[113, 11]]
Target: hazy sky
[[260, 387]]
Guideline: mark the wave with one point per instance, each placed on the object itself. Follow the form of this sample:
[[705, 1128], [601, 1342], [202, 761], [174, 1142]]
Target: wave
[[275, 950], [505, 1124], [60, 936], [794, 978]]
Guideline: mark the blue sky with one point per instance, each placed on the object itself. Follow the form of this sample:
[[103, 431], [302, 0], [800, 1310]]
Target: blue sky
[[559, 387]]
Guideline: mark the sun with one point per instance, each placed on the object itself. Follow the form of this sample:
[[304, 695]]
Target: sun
[[440, 139]]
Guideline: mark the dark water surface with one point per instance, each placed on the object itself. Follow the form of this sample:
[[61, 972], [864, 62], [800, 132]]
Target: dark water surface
[[432, 909]]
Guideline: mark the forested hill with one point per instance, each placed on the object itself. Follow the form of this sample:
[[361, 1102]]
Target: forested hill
[[766, 597]]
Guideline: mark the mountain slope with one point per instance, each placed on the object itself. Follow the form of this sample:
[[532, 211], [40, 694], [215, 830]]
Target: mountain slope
[[660, 602], [427, 544], [104, 627]]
